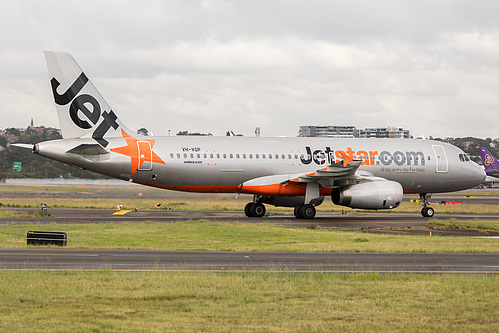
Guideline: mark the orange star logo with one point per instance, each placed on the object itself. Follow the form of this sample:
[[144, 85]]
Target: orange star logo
[[138, 151]]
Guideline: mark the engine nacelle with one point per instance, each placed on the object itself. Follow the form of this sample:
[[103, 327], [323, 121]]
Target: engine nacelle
[[383, 194]]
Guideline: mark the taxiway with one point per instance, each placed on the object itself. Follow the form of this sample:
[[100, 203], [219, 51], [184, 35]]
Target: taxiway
[[215, 261]]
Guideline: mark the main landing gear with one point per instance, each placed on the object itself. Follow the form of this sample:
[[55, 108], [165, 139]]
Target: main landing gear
[[257, 209], [254, 209], [305, 211], [427, 211]]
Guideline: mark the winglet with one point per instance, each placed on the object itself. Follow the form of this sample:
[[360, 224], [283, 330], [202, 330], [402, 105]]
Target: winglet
[[347, 160]]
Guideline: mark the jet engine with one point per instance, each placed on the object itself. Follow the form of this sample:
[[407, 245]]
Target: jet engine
[[383, 194]]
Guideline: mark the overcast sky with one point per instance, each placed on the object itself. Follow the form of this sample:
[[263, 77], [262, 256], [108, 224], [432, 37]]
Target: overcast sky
[[212, 66]]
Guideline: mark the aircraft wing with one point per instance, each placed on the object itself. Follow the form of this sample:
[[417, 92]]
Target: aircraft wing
[[331, 174], [336, 174]]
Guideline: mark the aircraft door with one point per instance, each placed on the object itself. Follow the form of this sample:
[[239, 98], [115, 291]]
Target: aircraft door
[[145, 155], [441, 158]]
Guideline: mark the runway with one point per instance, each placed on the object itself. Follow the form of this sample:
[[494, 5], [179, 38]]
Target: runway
[[143, 261], [351, 220]]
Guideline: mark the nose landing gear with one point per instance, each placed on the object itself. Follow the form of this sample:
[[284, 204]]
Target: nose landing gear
[[427, 211]]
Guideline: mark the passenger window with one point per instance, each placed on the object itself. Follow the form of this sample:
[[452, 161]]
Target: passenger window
[[185, 155], [270, 156], [178, 155], [199, 155], [257, 156], [204, 155], [289, 156], [250, 155], [244, 155], [461, 157], [231, 156], [171, 155], [237, 155], [225, 155], [218, 155], [211, 155], [263, 156]]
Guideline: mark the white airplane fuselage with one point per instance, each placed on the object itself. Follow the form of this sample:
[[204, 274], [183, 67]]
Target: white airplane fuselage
[[221, 164]]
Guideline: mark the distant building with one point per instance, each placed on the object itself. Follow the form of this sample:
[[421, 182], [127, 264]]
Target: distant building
[[20, 131], [329, 131], [352, 132], [385, 132]]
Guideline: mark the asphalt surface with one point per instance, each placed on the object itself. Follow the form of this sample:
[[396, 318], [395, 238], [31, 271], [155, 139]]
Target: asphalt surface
[[141, 261], [323, 219]]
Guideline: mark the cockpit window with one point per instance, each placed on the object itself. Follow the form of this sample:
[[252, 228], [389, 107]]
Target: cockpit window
[[464, 158]]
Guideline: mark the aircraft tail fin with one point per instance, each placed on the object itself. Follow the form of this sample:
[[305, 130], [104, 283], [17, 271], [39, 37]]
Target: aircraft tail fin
[[489, 162], [81, 109]]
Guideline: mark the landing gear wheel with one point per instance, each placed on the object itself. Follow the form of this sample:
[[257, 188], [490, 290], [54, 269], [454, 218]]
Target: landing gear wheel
[[304, 212], [427, 212], [297, 211], [247, 209], [257, 210], [307, 211]]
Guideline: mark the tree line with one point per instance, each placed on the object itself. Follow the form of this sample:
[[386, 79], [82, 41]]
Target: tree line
[[33, 165]]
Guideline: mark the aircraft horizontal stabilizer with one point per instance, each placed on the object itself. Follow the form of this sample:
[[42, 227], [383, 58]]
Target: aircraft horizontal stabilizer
[[22, 145], [88, 149]]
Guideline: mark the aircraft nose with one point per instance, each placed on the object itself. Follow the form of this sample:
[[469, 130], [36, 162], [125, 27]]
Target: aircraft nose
[[479, 173]]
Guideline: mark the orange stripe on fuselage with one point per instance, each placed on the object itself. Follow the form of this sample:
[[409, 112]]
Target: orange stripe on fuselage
[[411, 192], [273, 189], [199, 189]]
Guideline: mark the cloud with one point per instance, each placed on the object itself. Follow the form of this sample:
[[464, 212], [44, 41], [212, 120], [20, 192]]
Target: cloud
[[211, 66]]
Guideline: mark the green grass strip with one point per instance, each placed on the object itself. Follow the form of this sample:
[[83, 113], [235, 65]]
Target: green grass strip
[[458, 224], [226, 236], [36, 301]]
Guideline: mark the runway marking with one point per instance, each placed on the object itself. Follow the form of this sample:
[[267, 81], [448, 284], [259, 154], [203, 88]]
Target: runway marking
[[122, 212], [251, 271], [51, 254]]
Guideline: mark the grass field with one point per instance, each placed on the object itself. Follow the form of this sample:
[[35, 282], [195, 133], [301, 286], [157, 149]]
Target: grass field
[[225, 236], [464, 224], [104, 301]]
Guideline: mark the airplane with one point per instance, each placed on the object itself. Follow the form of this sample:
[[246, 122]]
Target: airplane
[[490, 163], [291, 172]]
